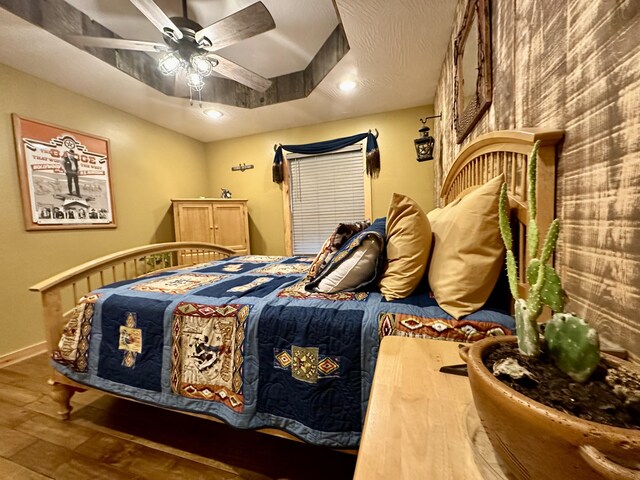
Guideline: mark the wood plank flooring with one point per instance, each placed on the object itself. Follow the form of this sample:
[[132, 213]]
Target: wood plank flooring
[[109, 438]]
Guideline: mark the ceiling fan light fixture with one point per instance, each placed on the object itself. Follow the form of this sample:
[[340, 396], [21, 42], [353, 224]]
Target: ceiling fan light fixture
[[201, 65], [187, 48], [169, 64], [195, 81]]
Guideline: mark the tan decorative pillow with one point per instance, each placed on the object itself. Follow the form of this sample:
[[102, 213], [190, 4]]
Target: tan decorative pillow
[[468, 252], [408, 247]]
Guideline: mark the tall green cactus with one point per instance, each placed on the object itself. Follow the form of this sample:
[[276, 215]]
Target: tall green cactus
[[571, 342], [544, 283]]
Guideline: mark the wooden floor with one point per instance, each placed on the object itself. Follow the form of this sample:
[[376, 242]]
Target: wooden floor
[[111, 439]]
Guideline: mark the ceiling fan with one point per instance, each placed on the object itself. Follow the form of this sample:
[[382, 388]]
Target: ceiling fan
[[190, 48]]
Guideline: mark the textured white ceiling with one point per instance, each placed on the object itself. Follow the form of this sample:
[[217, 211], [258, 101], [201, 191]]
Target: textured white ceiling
[[397, 49]]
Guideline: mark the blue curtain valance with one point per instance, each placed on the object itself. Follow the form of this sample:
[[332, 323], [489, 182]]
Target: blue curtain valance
[[373, 154]]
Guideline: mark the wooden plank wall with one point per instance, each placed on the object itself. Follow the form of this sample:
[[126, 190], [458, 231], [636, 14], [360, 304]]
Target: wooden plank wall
[[573, 65]]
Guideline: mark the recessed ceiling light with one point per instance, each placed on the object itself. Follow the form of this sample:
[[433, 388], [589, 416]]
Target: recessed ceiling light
[[347, 85], [210, 112]]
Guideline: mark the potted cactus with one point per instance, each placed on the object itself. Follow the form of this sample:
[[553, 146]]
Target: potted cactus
[[510, 378]]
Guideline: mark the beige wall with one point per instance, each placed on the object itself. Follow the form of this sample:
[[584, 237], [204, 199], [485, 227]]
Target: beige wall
[[400, 172], [149, 165], [573, 65]]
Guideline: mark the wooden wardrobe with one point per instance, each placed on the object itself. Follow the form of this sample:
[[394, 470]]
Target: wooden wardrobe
[[224, 222]]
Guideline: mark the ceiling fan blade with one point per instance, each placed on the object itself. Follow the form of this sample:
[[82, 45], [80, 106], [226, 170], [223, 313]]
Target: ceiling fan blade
[[239, 74], [117, 43], [246, 23], [156, 16]]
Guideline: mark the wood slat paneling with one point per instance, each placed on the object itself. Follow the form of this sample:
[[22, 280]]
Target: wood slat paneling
[[575, 66]]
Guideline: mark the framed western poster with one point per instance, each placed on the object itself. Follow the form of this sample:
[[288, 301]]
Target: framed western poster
[[65, 177]]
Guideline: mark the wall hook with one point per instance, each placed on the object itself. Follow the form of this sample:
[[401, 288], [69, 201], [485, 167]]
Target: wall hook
[[424, 120]]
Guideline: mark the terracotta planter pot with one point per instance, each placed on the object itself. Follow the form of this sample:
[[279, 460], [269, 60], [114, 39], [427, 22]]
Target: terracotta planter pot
[[535, 442]]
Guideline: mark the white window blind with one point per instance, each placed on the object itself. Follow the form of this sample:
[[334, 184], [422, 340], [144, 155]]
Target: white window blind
[[325, 190]]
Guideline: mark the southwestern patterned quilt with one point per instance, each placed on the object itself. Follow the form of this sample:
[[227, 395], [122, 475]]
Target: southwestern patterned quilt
[[242, 340]]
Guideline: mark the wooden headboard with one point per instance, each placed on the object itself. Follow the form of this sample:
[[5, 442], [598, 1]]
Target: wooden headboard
[[507, 151]]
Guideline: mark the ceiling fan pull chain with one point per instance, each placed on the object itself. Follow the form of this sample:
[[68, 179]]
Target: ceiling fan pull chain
[[190, 97]]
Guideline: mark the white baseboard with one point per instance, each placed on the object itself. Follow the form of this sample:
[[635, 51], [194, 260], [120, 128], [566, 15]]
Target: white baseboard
[[22, 354]]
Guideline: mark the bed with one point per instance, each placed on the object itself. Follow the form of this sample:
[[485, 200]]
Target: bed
[[193, 328]]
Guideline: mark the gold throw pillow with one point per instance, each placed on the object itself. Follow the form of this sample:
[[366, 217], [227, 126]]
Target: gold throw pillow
[[468, 252], [408, 246]]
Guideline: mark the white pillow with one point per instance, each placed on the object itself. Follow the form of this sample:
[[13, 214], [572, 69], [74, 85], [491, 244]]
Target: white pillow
[[354, 270]]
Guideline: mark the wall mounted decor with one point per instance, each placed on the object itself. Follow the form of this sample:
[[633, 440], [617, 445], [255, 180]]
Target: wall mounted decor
[[65, 177], [425, 142], [242, 167], [472, 68]]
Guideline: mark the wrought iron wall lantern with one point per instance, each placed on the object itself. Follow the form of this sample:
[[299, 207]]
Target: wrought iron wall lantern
[[424, 144]]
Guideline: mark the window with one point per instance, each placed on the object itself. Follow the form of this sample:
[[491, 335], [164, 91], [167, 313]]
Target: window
[[324, 190]]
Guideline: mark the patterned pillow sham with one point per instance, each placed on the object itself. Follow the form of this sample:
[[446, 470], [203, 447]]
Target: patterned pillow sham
[[356, 265], [342, 233]]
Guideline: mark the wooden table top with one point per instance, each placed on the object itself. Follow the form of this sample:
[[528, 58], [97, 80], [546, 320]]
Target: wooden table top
[[421, 423]]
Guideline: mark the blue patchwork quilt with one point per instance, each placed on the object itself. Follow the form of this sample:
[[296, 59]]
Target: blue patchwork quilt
[[242, 340]]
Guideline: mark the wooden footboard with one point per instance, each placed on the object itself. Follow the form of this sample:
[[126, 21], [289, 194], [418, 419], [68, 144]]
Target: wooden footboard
[[60, 293]]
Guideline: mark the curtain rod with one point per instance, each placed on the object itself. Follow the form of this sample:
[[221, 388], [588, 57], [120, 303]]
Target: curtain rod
[[276, 145]]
